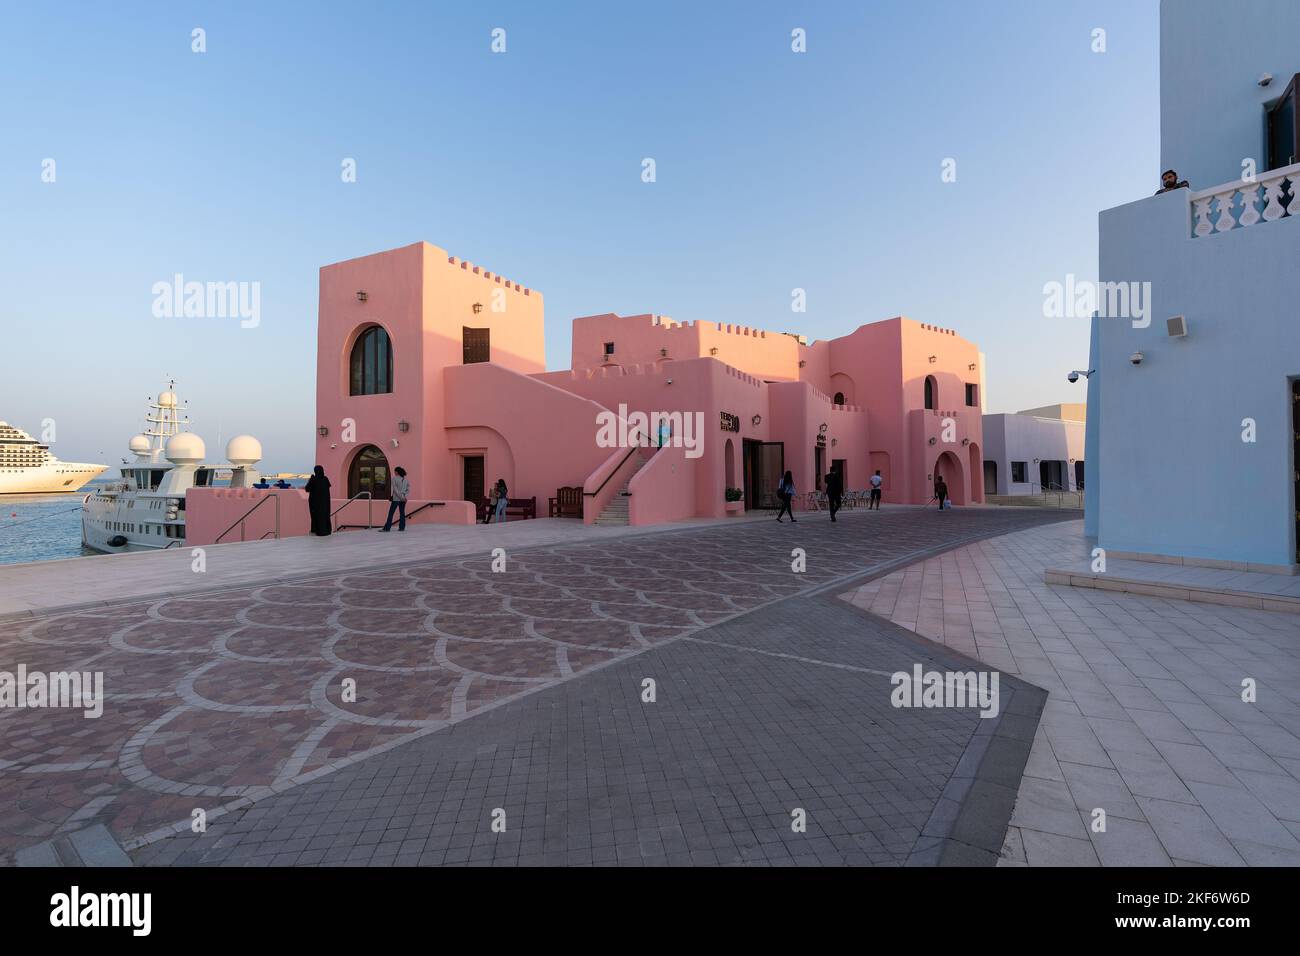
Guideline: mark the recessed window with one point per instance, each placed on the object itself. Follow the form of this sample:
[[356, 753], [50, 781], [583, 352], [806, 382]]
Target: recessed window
[[931, 392], [972, 395], [1019, 471], [477, 344], [609, 349], [839, 398], [372, 363]]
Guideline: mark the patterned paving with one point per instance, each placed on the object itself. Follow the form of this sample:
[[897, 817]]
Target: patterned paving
[[219, 700], [1146, 717]]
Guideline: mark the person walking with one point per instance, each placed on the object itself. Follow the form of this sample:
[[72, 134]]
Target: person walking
[[503, 499], [940, 490], [876, 482], [785, 491], [401, 490], [318, 501], [834, 491]]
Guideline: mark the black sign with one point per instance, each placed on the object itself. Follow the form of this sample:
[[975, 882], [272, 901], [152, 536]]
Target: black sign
[[730, 422]]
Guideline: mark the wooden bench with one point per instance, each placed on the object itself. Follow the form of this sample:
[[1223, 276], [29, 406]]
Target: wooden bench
[[515, 508], [567, 503]]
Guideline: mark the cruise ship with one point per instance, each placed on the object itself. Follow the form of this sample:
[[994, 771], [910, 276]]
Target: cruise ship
[[145, 510], [28, 468]]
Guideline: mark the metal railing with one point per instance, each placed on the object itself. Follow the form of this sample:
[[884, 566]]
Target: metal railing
[[239, 522], [370, 511]]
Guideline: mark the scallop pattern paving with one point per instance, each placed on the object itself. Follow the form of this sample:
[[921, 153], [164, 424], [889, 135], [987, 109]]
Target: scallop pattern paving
[[213, 700]]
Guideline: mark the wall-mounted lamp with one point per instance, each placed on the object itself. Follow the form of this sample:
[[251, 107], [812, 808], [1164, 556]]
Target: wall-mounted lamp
[[361, 295], [756, 420], [802, 363], [403, 426], [477, 307], [713, 351], [933, 359], [334, 444], [933, 440], [663, 353], [394, 442], [971, 366], [834, 442], [965, 441], [670, 381], [822, 429], [322, 431]]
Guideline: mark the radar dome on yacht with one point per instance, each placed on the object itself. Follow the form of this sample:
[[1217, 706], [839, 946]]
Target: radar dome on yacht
[[243, 450], [139, 445], [185, 448], [167, 399]]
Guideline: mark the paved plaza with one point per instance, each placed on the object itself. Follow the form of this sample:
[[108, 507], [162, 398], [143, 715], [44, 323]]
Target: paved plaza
[[1145, 717], [522, 690], [502, 717]]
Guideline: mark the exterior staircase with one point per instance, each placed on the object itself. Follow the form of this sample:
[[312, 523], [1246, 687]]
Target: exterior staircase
[[615, 512]]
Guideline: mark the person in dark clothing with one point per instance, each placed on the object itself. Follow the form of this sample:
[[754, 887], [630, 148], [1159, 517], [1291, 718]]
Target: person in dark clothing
[[834, 491], [1169, 181], [940, 490], [785, 491], [318, 501]]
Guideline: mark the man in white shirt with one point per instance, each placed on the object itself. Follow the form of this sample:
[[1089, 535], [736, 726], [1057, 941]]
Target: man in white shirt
[[876, 482], [401, 490]]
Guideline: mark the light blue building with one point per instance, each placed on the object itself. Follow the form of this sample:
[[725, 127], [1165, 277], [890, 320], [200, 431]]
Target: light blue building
[[1192, 438]]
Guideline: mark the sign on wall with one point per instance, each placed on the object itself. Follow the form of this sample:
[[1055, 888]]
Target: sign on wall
[[730, 422]]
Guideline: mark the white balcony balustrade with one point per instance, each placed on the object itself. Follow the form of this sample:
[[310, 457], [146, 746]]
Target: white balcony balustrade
[[1234, 205]]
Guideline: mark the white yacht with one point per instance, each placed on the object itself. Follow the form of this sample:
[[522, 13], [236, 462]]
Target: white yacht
[[145, 510], [28, 468]]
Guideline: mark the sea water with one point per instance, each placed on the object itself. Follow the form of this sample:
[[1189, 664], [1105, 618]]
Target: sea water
[[48, 527]]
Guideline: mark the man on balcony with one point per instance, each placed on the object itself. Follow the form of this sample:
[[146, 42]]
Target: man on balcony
[[1169, 181]]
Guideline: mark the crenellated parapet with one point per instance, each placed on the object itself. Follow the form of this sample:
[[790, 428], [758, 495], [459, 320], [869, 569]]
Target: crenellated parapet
[[468, 266]]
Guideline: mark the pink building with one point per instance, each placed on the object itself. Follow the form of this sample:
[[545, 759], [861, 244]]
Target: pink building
[[436, 364]]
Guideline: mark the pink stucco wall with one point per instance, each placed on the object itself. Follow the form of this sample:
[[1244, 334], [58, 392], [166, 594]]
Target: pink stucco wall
[[211, 511], [538, 430]]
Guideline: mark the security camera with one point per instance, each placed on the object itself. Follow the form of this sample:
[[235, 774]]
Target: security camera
[[1073, 377], [1136, 358], [1266, 79]]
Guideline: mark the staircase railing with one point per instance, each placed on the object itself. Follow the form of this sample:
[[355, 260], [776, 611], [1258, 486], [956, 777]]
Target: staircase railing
[[239, 522], [370, 515]]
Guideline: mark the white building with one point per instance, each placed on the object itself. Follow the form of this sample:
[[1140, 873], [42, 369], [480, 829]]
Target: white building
[[1194, 410], [1038, 449]]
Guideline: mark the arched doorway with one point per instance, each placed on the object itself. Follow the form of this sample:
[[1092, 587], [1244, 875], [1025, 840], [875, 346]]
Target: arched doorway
[[976, 474], [369, 472], [729, 458], [949, 466]]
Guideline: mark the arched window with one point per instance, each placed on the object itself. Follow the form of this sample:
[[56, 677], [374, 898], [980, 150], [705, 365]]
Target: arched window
[[839, 398], [931, 392], [372, 363]]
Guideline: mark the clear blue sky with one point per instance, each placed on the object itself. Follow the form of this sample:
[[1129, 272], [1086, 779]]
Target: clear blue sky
[[775, 171]]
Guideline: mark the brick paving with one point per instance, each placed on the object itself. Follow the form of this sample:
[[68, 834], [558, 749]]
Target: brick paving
[[1145, 718], [233, 702]]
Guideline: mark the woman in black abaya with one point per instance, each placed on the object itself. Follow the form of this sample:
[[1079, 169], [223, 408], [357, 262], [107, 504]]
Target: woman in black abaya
[[318, 501]]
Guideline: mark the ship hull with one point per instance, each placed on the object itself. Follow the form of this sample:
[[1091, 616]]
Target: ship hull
[[115, 524], [64, 477]]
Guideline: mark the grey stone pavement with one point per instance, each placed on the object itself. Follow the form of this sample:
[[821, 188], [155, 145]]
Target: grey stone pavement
[[757, 716], [1146, 718]]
